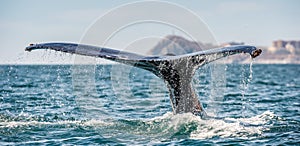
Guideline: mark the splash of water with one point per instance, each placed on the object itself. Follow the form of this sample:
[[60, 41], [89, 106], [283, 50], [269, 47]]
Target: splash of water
[[245, 85], [163, 127]]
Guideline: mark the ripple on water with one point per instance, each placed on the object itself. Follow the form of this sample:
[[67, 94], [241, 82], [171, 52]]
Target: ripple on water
[[41, 106], [165, 127]]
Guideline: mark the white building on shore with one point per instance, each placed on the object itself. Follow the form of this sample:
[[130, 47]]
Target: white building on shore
[[285, 47]]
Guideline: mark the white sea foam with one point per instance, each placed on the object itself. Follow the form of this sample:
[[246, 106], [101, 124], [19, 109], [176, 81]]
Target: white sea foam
[[167, 125], [228, 127], [13, 124]]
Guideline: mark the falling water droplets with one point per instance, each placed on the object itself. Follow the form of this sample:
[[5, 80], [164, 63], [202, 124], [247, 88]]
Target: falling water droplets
[[250, 71], [246, 79]]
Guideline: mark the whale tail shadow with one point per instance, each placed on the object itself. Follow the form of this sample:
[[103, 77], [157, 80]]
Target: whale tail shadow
[[176, 71]]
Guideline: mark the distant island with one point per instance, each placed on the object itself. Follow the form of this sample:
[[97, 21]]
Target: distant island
[[280, 52]]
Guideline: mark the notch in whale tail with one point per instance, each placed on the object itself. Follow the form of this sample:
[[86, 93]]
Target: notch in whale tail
[[176, 71]]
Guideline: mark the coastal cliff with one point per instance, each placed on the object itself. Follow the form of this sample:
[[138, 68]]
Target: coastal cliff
[[289, 53]]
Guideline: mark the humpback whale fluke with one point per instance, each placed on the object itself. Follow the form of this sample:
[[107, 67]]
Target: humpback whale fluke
[[176, 71]]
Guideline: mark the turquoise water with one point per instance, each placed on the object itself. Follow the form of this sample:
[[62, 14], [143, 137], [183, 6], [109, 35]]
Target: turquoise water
[[64, 104]]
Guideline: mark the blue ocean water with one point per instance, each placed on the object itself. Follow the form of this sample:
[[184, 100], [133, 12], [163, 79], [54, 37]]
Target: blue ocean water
[[116, 104]]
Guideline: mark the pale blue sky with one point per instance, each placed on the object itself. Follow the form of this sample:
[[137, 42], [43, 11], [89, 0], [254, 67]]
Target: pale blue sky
[[256, 22]]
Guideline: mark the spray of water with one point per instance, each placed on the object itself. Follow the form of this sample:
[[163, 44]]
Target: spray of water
[[246, 79]]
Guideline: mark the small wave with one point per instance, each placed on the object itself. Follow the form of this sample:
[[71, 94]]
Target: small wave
[[167, 126], [231, 127], [25, 85], [6, 91], [265, 82], [14, 124]]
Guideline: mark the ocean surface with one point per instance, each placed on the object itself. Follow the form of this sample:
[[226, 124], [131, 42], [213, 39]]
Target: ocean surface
[[120, 105]]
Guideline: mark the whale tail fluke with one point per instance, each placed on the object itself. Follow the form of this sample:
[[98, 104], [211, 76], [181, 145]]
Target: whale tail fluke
[[176, 71]]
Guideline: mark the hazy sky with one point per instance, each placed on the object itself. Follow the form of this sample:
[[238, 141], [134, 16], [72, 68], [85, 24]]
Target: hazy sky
[[256, 22]]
